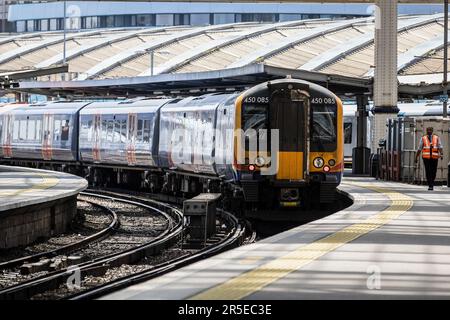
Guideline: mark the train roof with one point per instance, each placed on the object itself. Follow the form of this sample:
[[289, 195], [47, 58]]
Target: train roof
[[125, 107], [423, 108], [9, 107], [204, 102], [312, 86], [52, 107]]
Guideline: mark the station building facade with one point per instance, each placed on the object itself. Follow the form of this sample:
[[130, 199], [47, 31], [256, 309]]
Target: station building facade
[[23, 16]]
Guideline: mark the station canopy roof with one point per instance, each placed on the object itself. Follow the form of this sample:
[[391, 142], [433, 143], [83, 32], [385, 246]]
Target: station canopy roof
[[337, 53]]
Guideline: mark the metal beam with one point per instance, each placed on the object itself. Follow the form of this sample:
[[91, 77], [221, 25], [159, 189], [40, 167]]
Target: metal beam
[[26, 74], [206, 49], [71, 54], [305, 36], [418, 53], [335, 54], [125, 56], [10, 55]]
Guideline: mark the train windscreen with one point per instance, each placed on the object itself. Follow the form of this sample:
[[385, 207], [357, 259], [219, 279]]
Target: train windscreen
[[324, 128], [254, 117]]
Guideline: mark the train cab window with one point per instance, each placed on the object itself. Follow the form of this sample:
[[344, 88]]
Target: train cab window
[[324, 128], [348, 132], [254, 117]]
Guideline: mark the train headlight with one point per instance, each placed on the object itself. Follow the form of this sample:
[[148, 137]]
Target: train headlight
[[318, 163], [332, 162], [260, 161]]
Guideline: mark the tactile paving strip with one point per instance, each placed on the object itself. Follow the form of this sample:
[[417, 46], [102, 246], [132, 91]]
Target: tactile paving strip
[[254, 280]]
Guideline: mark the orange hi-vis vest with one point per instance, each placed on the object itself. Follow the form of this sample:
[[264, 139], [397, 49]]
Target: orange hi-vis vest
[[430, 148]]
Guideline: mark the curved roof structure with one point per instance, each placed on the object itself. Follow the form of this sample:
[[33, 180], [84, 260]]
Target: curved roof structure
[[333, 47]]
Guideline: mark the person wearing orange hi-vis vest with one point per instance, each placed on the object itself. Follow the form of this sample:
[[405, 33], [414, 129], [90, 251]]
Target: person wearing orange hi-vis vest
[[431, 149]]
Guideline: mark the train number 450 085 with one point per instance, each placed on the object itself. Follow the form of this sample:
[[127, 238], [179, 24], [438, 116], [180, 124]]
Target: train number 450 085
[[323, 101]]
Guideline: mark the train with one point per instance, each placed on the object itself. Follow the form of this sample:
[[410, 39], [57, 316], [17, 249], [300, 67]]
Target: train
[[277, 145], [426, 108]]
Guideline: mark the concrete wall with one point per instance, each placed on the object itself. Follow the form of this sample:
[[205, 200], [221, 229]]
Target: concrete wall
[[20, 227]]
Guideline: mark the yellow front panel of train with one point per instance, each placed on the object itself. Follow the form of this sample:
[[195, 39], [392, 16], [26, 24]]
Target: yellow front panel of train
[[290, 166]]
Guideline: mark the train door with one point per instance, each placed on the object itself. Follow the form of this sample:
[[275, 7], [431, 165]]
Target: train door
[[289, 113], [47, 137], [131, 141], [96, 141], [7, 135]]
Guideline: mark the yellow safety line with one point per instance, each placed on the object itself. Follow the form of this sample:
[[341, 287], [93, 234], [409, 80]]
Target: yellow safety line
[[256, 279], [48, 181]]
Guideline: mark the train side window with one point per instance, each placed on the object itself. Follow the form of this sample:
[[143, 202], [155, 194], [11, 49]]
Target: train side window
[[90, 129], [110, 133], [104, 129], [31, 130], [123, 132], [57, 131], [147, 130], [38, 129], [23, 130], [140, 130], [16, 130], [348, 132], [65, 130], [117, 126]]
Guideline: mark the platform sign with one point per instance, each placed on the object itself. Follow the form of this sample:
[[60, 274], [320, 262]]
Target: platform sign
[[443, 98]]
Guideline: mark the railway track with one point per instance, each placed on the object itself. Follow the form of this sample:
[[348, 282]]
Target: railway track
[[132, 265], [133, 252], [67, 249], [232, 239]]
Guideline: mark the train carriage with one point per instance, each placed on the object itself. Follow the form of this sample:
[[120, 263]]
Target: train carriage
[[187, 133], [5, 129], [42, 132], [123, 134], [309, 158], [278, 144]]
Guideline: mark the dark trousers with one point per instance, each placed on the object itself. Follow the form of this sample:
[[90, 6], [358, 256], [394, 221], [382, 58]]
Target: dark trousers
[[431, 170]]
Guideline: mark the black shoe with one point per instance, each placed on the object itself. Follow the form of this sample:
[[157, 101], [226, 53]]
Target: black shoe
[[430, 189]]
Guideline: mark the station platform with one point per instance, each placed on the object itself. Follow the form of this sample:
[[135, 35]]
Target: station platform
[[392, 243], [35, 203]]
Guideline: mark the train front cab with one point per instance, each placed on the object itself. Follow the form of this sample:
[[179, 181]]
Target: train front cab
[[309, 158]]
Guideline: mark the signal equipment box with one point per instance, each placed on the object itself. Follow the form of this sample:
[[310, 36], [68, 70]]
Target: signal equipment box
[[201, 213]]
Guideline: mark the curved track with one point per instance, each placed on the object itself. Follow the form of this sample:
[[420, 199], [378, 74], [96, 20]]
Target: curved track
[[27, 289]]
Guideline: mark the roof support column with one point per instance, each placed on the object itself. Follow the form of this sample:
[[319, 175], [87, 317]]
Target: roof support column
[[385, 81]]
